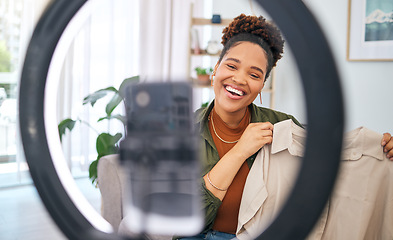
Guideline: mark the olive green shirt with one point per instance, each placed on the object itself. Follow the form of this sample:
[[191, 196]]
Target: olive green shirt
[[209, 155]]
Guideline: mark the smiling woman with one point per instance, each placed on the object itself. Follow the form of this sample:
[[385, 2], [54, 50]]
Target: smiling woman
[[233, 128]]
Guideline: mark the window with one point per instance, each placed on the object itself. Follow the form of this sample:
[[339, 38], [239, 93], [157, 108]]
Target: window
[[13, 169], [102, 54]]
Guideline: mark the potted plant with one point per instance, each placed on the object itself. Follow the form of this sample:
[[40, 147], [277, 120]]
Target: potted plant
[[203, 75], [106, 143]]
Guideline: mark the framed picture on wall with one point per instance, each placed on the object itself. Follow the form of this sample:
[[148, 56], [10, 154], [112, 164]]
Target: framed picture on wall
[[370, 30]]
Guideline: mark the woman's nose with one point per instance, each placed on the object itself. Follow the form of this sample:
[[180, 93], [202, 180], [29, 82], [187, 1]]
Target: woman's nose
[[238, 79]]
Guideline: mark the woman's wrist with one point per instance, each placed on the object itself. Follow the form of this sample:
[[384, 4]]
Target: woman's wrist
[[237, 153], [213, 185]]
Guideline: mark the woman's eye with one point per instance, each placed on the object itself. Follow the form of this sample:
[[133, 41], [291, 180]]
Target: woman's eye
[[231, 66], [255, 76]]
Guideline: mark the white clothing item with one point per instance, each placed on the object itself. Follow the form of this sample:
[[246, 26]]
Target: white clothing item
[[361, 203]]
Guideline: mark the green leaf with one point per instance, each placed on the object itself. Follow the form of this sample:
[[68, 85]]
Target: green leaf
[[114, 102], [203, 71], [93, 171], [205, 104], [119, 117], [107, 144], [65, 124], [94, 97], [126, 82], [117, 98]]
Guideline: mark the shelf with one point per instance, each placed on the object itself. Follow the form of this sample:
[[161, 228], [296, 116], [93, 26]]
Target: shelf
[[204, 53], [207, 21], [196, 83]]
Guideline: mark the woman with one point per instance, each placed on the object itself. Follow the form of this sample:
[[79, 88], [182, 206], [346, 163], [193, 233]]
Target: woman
[[233, 129]]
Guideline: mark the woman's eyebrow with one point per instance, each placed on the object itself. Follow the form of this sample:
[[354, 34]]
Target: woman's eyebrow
[[233, 59], [257, 68]]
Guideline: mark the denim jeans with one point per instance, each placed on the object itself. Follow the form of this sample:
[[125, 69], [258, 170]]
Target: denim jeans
[[211, 235]]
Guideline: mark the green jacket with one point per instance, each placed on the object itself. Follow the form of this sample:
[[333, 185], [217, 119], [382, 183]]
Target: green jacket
[[209, 154]]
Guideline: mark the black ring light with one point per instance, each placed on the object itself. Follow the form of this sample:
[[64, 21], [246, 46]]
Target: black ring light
[[324, 116]]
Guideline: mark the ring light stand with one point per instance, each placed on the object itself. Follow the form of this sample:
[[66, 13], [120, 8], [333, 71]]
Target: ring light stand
[[324, 116]]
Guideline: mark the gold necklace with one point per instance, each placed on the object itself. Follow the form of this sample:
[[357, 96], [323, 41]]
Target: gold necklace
[[215, 133], [214, 130]]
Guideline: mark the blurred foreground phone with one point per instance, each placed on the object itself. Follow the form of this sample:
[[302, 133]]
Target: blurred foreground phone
[[159, 155]]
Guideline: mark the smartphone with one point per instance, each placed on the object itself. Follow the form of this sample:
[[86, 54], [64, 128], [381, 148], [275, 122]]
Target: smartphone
[[160, 158]]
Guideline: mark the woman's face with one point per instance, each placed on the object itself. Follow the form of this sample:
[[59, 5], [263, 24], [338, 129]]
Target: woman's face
[[239, 78]]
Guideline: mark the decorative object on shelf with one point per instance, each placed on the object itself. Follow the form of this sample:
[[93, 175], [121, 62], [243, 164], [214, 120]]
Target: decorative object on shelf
[[195, 41], [213, 47], [203, 75], [216, 18]]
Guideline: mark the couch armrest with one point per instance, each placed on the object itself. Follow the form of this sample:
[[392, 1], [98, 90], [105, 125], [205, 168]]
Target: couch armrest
[[110, 179]]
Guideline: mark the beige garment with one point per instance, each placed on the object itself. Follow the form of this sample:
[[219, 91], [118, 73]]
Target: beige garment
[[361, 204]]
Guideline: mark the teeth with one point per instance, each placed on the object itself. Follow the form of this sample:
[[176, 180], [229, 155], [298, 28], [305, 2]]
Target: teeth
[[238, 92]]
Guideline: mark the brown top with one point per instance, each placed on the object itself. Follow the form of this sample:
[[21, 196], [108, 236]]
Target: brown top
[[227, 215]]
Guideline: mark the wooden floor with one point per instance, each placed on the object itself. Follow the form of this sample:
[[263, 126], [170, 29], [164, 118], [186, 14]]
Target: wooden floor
[[24, 217]]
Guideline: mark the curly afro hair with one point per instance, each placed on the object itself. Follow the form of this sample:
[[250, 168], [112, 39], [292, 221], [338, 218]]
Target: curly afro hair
[[257, 30]]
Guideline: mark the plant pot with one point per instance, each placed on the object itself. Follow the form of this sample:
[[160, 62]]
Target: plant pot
[[204, 79]]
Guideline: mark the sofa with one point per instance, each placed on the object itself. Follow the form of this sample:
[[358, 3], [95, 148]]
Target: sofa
[[111, 183]]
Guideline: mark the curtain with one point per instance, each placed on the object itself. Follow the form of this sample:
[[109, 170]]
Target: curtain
[[164, 35], [102, 54]]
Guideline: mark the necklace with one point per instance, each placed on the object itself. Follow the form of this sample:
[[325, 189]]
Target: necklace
[[214, 130], [215, 133]]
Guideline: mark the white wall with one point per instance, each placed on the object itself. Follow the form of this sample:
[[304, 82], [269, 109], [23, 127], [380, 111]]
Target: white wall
[[367, 86]]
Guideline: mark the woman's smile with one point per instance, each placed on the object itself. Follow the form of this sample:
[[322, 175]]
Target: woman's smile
[[234, 92]]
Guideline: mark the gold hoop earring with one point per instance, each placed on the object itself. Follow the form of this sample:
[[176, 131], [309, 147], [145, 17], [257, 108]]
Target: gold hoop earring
[[212, 79]]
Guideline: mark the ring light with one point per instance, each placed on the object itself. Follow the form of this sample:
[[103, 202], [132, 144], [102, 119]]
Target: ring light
[[324, 116]]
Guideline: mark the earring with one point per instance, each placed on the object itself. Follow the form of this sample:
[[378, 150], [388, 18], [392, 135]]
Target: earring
[[260, 97], [212, 78]]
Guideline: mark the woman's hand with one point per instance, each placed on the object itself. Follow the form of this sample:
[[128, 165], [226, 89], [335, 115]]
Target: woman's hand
[[255, 137], [387, 143]]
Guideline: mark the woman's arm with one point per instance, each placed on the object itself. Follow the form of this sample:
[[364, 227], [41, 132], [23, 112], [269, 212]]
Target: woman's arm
[[222, 174]]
